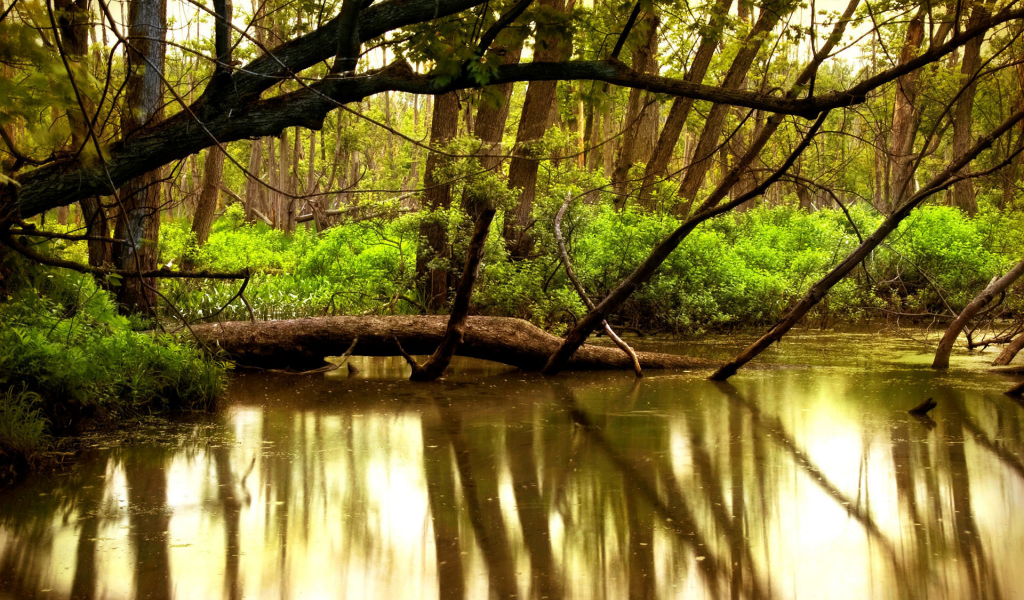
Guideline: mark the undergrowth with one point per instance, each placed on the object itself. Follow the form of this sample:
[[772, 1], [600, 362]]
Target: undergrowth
[[743, 269], [66, 354]]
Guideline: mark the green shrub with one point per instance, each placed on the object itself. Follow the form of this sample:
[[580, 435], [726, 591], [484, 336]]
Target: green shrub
[[22, 424], [62, 340]]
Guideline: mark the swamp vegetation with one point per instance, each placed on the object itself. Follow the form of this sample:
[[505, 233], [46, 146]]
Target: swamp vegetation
[[255, 220]]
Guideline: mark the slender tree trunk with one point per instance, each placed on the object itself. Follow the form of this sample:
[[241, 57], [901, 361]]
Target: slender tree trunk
[[973, 307], [490, 125], [293, 181], [905, 117], [139, 223], [709, 139], [213, 169], [455, 330], [611, 140], [638, 110], [96, 225], [253, 189], [680, 110], [437, 196], [73, 18], [284, 182], [533, 123], [963, 191], [272, 194]]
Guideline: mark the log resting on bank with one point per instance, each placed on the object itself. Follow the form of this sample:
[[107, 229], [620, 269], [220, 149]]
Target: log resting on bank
[[303, 343]]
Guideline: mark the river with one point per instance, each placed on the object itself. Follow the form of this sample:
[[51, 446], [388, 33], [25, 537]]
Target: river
[[802, 478]]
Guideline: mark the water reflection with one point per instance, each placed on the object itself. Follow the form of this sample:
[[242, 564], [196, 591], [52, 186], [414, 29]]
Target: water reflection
[[789, 483]]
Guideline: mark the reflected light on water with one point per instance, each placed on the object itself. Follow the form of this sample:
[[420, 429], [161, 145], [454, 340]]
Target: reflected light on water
[[786, 483]]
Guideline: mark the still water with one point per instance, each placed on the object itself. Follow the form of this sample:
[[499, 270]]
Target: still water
[[805, 480]]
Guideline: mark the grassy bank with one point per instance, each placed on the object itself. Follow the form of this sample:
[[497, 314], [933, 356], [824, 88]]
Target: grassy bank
[[68, 358]]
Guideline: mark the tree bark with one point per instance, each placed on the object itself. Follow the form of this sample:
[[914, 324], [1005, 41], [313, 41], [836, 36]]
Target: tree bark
[[680, 111], [534, 121], [709, 139], [905, 118], [303, 343], [73, 19], [963, 191], [437, 196], [139, 223], [489, 125], [639, 108], [1010, 351], [213, 169], [455, 330], [973, 307]]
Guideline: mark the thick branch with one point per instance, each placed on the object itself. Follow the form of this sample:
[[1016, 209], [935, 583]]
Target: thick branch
[[982, 300], [239, 114]]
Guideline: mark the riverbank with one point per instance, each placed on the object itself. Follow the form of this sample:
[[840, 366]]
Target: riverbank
[[68, 358]]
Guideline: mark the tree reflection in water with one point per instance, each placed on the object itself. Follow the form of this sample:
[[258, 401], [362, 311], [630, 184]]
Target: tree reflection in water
[[503, 485]]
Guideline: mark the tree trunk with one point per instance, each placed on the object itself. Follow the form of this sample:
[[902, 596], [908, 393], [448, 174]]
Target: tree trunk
[[1010, 351], [973, 307], [437, 196], [303, 343], [283, 181], [73, 17], [293, 181], [254, 190], [96, 225], [533, 123], [490, 125], [455, 329], [139, 223], [905, 118], [639, 108], [963, 191], [709, 139], [213, 168]]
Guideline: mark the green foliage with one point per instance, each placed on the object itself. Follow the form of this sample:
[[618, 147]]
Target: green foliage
[[66, 348], [22, 424]]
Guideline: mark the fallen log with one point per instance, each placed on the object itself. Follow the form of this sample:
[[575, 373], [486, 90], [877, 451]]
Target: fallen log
[[303, 343]]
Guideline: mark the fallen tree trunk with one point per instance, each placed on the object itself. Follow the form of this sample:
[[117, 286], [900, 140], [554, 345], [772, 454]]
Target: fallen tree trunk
[[974, 307], [303, 343]]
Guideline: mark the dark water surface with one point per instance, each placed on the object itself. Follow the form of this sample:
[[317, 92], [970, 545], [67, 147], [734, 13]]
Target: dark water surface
[[804, 481]]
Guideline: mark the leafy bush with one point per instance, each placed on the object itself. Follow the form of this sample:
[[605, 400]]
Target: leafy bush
[[66, 348], [741, 269]]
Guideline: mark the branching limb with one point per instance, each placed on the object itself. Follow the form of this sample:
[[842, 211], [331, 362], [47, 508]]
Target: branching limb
[[582, 292]]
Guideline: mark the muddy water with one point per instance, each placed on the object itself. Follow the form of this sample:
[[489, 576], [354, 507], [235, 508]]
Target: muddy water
[[808, 480]]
